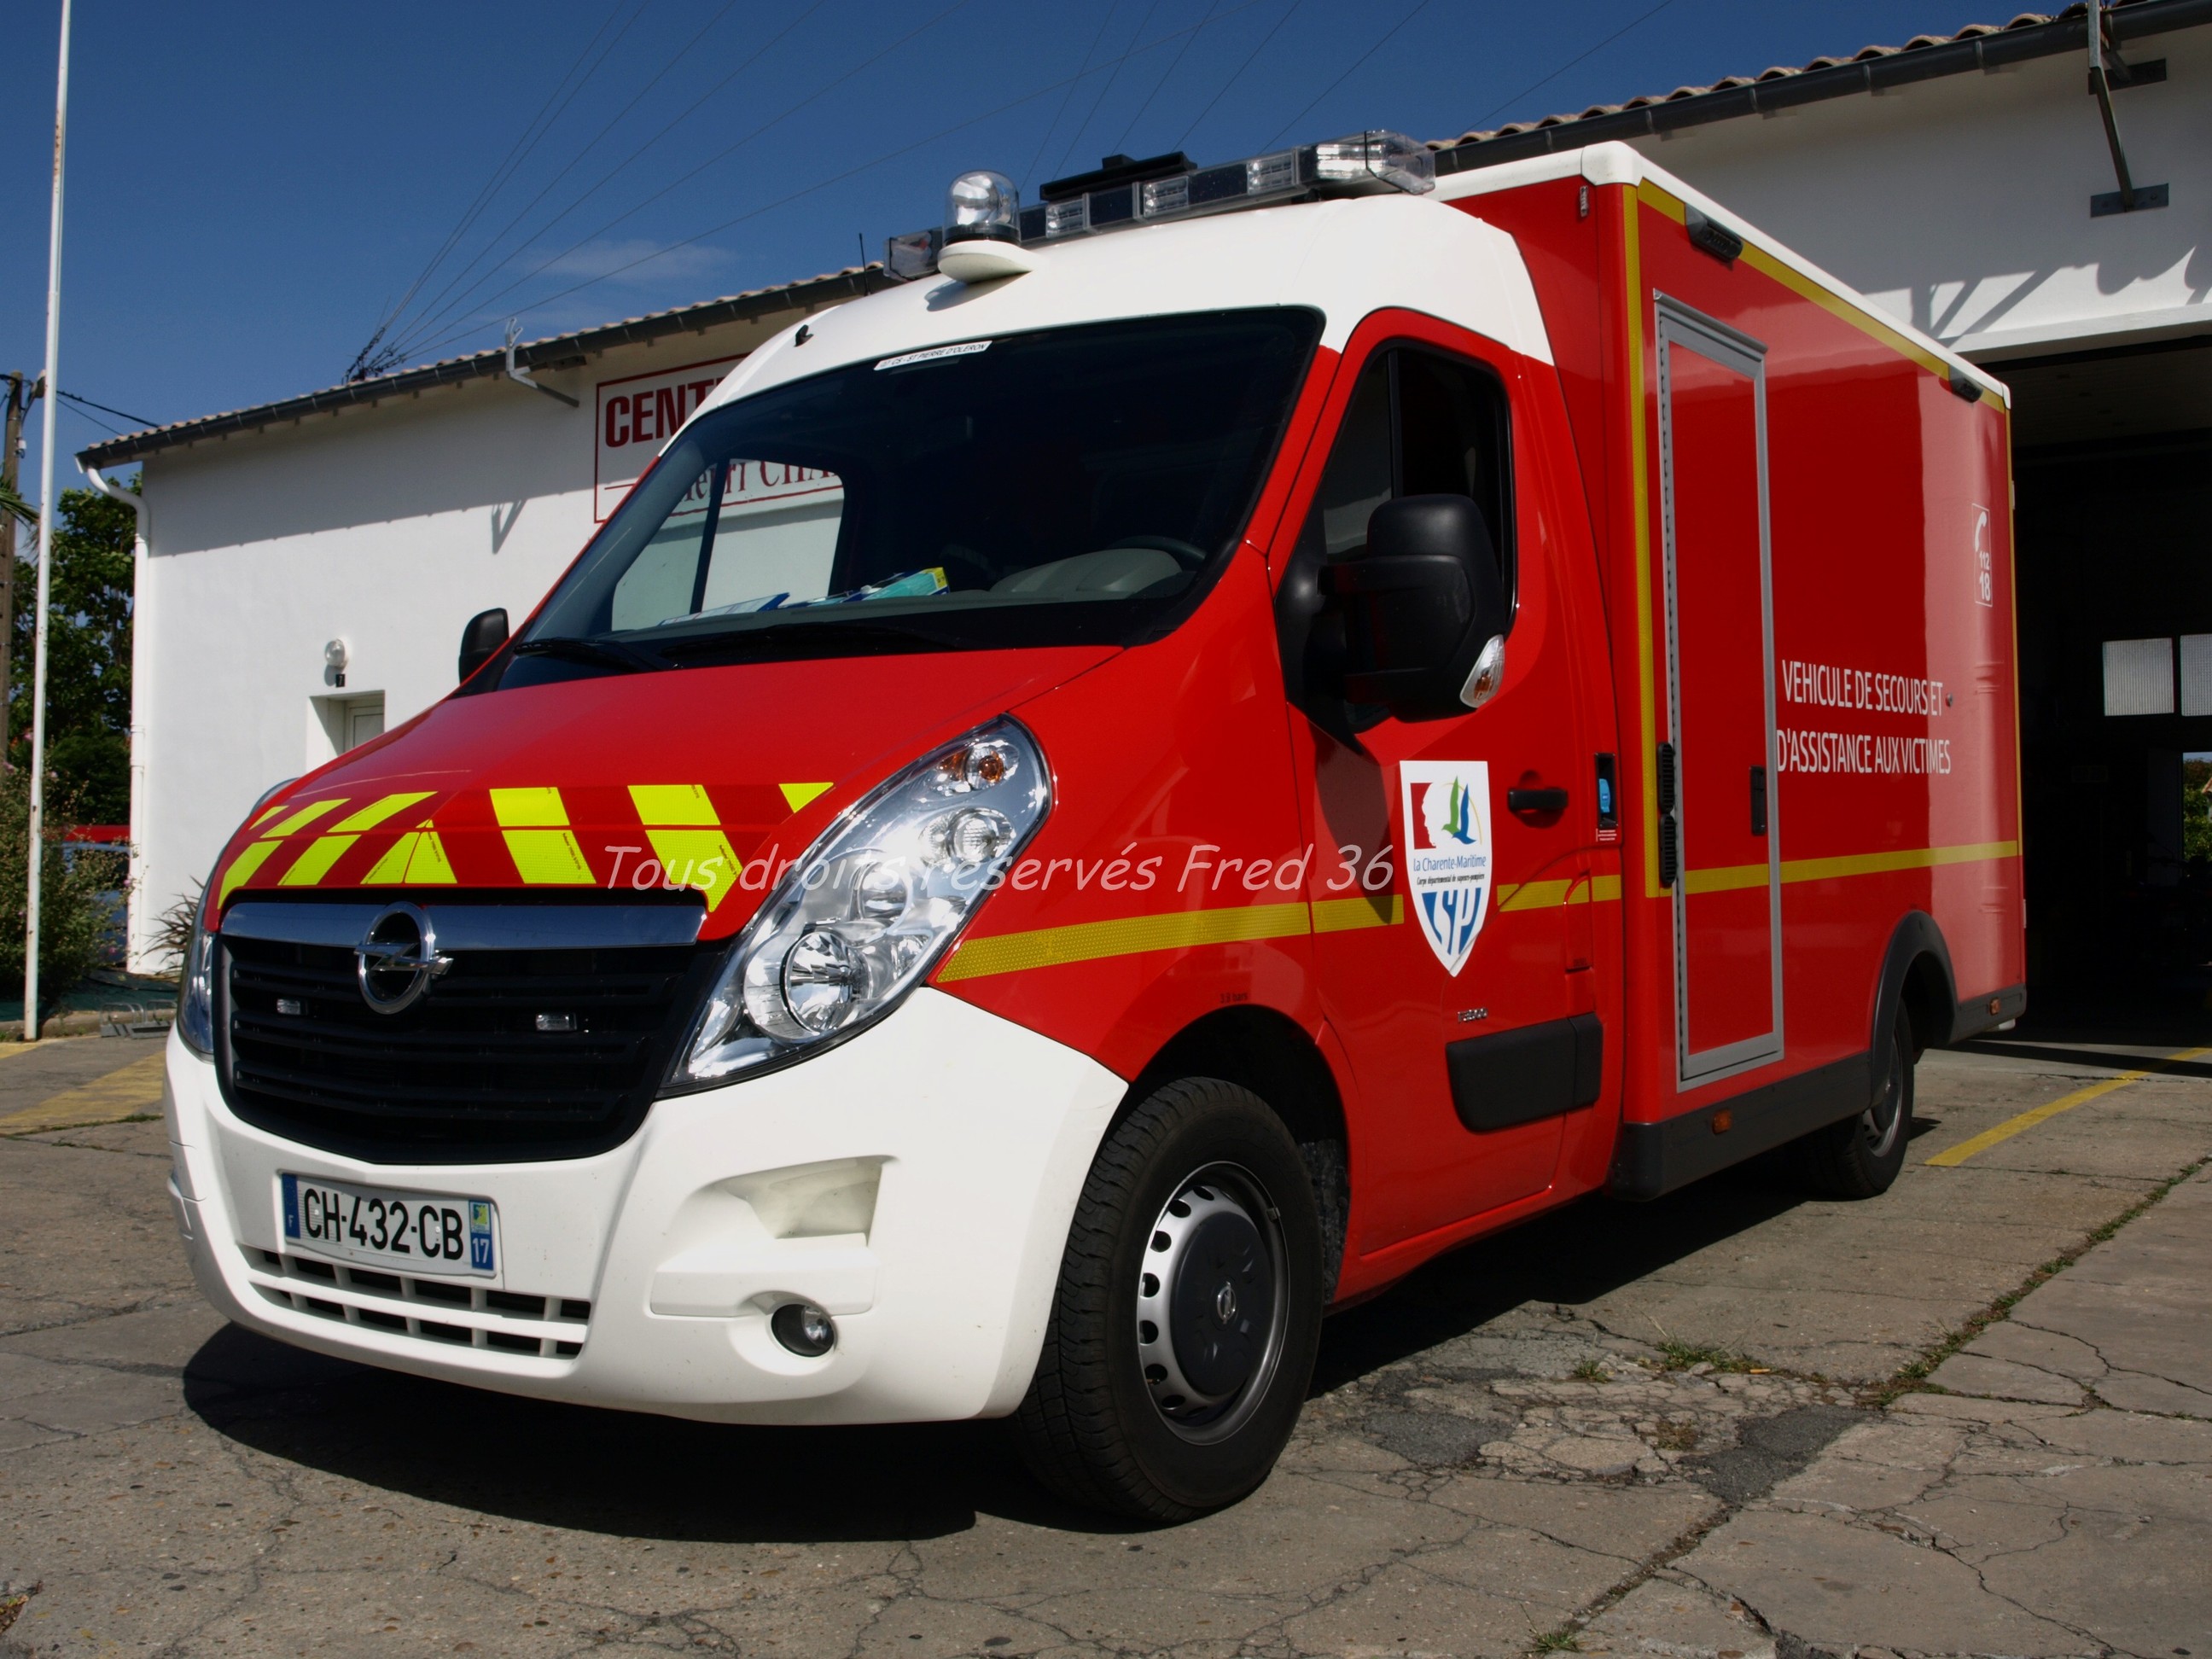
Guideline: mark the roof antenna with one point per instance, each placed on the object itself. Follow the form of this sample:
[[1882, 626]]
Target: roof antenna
[[521, 376]]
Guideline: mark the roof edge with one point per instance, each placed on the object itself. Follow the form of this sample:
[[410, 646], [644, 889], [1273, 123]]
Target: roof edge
[[1923, 60], [811, 294]]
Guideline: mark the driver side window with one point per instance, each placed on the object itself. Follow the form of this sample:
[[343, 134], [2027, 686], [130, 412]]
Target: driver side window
[[1419, 423]]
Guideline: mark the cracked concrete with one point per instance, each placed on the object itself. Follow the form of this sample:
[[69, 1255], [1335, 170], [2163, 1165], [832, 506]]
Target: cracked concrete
[[1528, 1444]]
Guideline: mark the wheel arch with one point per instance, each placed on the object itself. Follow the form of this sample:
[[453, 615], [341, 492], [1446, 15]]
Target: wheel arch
[[1916, 972], [1268, 1052]]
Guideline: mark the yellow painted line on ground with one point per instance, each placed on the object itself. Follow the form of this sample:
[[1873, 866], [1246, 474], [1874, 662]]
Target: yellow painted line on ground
[[9, 1050], [1951, 1157], [128, 1091]]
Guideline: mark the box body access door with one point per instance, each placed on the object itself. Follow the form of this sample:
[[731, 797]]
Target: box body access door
[[1720, 696]]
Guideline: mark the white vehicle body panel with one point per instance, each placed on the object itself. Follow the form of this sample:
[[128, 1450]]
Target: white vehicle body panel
[[982, 1133], [1344, 259]]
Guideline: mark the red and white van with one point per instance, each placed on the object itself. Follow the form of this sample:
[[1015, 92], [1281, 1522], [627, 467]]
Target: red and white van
[[1244, 727]]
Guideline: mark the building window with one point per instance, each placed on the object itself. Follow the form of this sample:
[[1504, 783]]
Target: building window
[[2139, 676], [2196, 673]]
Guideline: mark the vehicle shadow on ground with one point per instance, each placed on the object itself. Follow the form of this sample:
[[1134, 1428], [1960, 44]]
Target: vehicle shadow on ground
[[628, 1475]]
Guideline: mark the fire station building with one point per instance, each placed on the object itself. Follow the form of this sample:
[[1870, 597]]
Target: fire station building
[[2042, 208]]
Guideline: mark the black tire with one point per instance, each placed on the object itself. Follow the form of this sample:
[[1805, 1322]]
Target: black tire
[[1104, 1424], [1859, 1156]]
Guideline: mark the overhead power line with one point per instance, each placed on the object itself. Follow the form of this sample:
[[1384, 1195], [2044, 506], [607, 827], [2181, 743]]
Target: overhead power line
[[437, 307], [1030, 97], [1357, 64], [1237, 74], [369, 360], [1166, 74], [1082, 69], [1538, 86], [119, 414], [1084, 126], [718, 157]]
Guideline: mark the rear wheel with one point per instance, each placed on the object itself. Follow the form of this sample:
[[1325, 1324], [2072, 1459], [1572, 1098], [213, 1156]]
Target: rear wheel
[[1859, 1156], [1183, 1329]]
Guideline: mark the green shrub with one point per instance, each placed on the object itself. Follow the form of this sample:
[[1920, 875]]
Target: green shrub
[[75, 914]]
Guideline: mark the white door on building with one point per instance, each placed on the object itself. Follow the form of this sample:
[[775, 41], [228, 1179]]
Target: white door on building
[[364, 719]]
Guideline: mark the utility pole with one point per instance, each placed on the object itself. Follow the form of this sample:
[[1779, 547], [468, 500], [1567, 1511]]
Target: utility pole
[[36, 847], [22, 392]]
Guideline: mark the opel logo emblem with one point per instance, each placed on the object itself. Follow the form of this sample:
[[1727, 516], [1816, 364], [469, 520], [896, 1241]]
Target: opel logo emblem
[[397, 957]]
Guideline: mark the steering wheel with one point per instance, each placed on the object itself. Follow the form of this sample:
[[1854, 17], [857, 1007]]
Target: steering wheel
[[1189, 557]]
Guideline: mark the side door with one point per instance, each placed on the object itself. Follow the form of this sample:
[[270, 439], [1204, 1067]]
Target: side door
[[1445, 848], [1719, 839]]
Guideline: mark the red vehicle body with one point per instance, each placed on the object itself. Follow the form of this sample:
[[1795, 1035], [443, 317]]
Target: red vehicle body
[[1746, 781]]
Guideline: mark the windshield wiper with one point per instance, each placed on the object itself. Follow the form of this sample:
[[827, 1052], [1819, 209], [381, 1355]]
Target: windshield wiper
[[605, 653], [738, 640]]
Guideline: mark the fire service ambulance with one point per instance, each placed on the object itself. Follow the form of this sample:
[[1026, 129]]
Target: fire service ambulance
[[1240, 728]]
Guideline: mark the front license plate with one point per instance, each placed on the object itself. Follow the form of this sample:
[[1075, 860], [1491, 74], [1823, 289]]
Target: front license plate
[[405, 1232]]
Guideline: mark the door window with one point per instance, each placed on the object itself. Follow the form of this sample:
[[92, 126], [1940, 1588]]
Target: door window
[[1419, 423]]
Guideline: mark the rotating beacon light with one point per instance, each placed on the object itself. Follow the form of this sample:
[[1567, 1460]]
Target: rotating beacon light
[[982, 236]]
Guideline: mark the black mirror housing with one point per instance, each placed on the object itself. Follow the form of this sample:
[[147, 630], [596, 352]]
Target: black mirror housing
[[481, 640], [1418, 606]]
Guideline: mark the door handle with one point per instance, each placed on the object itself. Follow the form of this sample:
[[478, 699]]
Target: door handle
[[1535, 800], [1758, 800]]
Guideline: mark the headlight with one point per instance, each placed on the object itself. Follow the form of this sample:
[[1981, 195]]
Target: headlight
[[196, 998], [856, 923], [196, 1002]]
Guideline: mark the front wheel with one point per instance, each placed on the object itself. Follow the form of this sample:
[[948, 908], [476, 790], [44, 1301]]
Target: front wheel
[[1183, 1329], [1860, 1157]]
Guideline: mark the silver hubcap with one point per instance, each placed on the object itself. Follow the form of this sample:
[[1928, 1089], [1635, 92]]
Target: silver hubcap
[[1210, 1303]]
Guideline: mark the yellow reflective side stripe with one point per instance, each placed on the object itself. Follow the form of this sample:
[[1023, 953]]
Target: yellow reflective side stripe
[[243, 866], [1342, 916], [1533, 895], [1908, 858], [673, 803], [377, 810], [312, 866], [528, 809], [306, 815], [1727, 878], [696, 858], [270, 813], [418, 856], [534, 824], [797, 794], [548, 858], [1088, 941]]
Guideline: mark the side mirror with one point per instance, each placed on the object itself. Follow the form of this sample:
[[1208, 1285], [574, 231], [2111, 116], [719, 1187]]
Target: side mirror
[[482, 639], [1418, 606]]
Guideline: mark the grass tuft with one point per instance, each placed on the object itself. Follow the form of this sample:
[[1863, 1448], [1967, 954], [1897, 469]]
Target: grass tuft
[[1680, 1356]]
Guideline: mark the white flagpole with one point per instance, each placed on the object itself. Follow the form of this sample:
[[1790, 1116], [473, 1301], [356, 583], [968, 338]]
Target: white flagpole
[[46, 549]]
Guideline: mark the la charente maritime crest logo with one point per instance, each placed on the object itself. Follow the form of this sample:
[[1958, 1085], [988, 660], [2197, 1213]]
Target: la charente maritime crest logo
[[1448, 852]]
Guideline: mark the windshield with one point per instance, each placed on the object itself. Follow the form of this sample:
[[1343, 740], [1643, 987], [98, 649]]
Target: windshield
[[1070, 486]]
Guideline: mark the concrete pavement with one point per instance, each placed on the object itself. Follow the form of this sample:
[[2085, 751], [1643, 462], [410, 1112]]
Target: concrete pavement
[[1670, 1428]]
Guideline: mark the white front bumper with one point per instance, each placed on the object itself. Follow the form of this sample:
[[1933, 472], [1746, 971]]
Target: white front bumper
[[983, 1130]]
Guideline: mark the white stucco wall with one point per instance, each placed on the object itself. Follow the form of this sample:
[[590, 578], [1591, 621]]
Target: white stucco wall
[[1962, 203], [388, 527]]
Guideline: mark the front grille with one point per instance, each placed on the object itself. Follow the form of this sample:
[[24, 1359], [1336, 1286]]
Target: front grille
[[523, 1054], [433, 1310]]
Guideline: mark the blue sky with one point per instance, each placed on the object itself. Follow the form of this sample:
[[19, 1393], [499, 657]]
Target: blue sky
[[254, 187]]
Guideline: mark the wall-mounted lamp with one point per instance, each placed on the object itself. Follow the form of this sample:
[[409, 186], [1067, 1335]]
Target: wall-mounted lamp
[[334, 663]]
